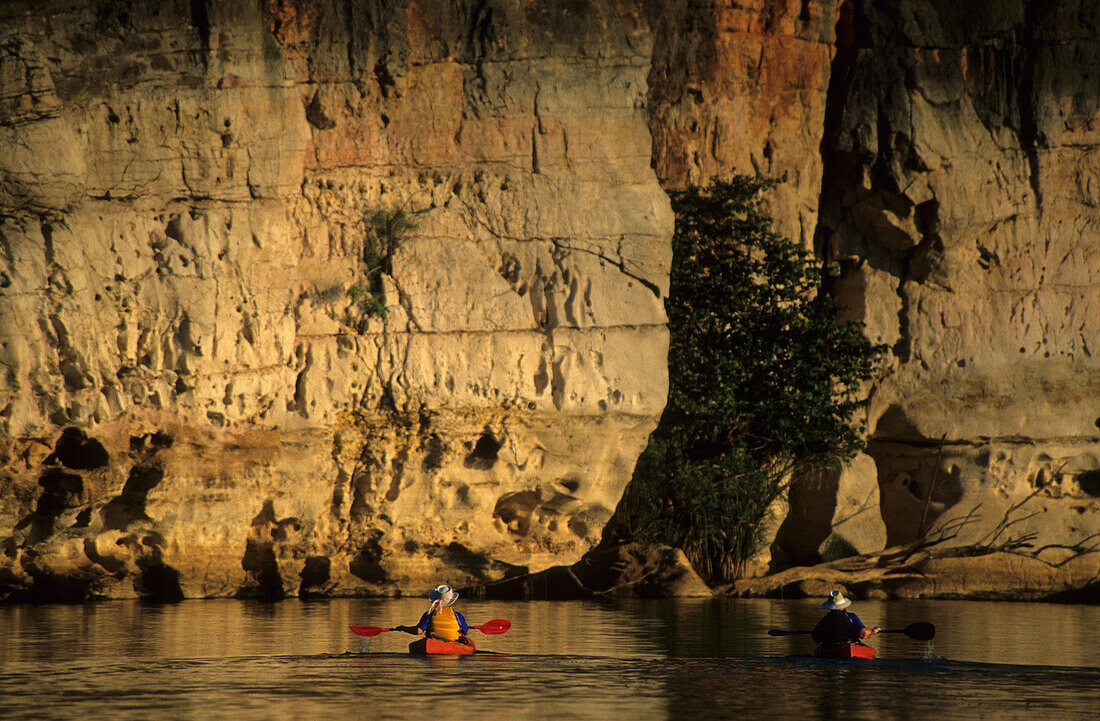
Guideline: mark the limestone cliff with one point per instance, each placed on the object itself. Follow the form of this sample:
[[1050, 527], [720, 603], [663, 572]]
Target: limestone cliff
[[956, 186], [198, 399], [222, 371], [960, 195]]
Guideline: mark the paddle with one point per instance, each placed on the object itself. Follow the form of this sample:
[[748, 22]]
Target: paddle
[[920, 631], [492, 628], [370, 631]]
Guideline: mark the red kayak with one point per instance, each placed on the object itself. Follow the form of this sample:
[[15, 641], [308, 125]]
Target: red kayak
[[431, 646], [846, 651]]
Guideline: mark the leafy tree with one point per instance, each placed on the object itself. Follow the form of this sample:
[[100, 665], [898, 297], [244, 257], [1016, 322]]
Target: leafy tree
[[763, 381]]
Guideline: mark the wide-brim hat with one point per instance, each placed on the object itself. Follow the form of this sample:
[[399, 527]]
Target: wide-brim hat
[[836, 601], [444, 594]]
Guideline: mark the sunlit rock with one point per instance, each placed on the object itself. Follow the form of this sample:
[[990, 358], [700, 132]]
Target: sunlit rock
[[188, 282]]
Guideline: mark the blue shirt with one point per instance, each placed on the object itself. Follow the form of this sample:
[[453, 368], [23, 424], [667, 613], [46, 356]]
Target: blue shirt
[[426, 619]]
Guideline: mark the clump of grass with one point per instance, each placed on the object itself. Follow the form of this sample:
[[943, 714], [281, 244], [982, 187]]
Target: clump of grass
[[357, 292]]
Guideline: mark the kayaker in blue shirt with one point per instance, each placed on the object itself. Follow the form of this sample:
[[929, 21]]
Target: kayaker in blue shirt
[[838, 626], [441, 620]]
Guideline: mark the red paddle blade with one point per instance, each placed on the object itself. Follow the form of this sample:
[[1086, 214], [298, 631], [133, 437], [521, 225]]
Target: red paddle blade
[[497, 625], [367, 631]]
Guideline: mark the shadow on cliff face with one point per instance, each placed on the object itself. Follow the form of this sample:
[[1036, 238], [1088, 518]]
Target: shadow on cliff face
[[50, 587], [811, 503], [261, 559], [62, 484], [73, 473], [367, 565], [917, 483], [145, 475], [129, 505], [63, 490], [315, 576], [157, 581], [477, 565]]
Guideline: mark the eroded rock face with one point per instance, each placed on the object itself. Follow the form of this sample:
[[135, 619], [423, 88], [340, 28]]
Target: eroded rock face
[[190, 291], [963, 156], [223, 373], [945, 155]]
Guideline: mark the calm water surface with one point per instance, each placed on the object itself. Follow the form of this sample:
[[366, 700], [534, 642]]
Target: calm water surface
[[638, 660]]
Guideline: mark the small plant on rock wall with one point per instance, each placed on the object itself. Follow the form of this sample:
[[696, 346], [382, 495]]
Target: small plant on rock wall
[[385, 229], [763, 381]]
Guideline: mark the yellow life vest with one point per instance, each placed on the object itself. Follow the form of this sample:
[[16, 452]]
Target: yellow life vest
[[443, 625]]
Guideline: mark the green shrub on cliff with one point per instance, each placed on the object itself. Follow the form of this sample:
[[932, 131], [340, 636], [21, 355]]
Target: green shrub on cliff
[[385, 229], [763, 380]]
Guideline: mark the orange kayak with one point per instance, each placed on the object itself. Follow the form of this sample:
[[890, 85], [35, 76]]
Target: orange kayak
[[431, 646], [850, 650]]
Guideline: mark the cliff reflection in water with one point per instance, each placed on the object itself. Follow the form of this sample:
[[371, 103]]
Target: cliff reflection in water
[[569, 660]]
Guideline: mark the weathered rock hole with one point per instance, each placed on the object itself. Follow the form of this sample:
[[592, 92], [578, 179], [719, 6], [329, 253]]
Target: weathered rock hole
[[484, 454], [151, 441], [60, 491], [76, 450], [263, 567], [1090, 483], [434, 457], [515, 509], [159, 582], [394, 491], [173, 230], [578, 527], [315, 573], [542, 377], [570, 484]]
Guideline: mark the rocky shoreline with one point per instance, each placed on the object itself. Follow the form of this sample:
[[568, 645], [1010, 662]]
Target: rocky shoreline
[[636, 571]]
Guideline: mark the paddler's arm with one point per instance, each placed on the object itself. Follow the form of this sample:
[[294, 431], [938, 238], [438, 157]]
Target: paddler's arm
[[462, 625], [861, 631], [422, 627]]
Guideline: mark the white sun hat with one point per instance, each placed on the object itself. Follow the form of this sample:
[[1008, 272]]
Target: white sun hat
[[836, 601], [444, 594]]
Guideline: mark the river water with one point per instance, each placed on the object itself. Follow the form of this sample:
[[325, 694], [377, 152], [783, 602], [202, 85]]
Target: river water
[[625, 661]]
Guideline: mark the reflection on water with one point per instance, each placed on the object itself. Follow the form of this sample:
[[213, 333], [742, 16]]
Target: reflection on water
[[633, 660]]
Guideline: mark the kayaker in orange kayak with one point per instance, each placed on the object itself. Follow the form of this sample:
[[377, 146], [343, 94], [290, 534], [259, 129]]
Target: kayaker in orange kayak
[[839, 627], [441, 621]]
